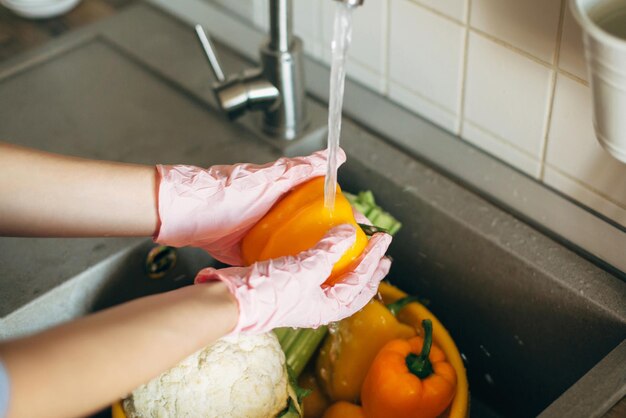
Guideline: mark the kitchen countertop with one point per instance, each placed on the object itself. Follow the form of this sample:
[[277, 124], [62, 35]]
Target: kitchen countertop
[[18, 34]]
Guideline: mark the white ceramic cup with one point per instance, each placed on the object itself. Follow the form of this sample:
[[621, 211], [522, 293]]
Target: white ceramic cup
[[604, 34], [39, 9]]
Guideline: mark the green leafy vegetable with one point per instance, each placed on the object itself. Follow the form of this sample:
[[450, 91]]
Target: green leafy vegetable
[[296, 395], [364, 202]]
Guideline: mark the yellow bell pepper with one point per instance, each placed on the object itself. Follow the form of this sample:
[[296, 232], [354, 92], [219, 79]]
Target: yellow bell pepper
[[117, 411], [348, 352], [414, 314], [297, 222]]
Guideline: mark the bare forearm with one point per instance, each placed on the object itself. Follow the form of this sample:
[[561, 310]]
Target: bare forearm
[[44, 194], [80, 367]]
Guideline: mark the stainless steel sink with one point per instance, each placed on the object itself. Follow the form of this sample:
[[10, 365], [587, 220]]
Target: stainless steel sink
[[530, 316]]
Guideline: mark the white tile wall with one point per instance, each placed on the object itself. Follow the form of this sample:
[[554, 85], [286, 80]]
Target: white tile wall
[[501, 86], [367, 54], [530, 25], [426, 61], [509, 76], [572, 55], [456, 9], [576, 164]]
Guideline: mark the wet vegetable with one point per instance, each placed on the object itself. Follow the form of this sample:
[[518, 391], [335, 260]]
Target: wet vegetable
[[347, 353], [316, 402], [344, 409], [409, 378], [364, 202], [298, 222], [413, 314], [299, 345]]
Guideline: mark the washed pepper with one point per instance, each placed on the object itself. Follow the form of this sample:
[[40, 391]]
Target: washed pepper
[[410, 379], [414, 314], [347, 353], [344, 409], [297, 222]]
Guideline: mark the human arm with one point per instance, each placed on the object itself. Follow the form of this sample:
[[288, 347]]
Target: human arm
[[79, 367], [45, 194]]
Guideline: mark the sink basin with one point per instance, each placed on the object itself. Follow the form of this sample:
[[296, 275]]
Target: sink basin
[[540, 327]]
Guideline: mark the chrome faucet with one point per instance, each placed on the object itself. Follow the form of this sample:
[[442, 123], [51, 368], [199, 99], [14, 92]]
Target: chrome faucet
[[277, 87]]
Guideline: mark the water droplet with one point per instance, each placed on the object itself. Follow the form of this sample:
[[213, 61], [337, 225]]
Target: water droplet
[[484, 350], [488, 378], [518, 340]]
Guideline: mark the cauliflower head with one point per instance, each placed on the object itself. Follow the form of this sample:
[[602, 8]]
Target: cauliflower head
[[237, 376]]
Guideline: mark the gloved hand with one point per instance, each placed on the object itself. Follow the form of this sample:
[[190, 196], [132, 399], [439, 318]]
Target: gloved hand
[[214, 208], [288, 292]]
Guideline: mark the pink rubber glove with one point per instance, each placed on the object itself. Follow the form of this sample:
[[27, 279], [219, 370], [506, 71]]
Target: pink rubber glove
[[288, 292], [214, 208]]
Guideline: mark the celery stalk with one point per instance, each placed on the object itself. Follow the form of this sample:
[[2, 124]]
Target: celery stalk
[[299, 345], [281, 333], [291, 337], [301, 353]]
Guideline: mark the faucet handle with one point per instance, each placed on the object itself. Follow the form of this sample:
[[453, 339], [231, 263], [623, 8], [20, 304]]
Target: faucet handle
[[239, 93], [209, 50]]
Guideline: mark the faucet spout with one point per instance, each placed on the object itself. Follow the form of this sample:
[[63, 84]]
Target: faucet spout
[[277, 87], [281, 32], [351, 3], [282, 64]]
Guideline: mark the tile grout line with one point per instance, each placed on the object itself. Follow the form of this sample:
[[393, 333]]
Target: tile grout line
[[437, 12], [586, 186], [553, 67], [574, 77], [500, 139], [482, 33], [363, 65], [463, 75], [511, 47], [552, 93], [421, 97]]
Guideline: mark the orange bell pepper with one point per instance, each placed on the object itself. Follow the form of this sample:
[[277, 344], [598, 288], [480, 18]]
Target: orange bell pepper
[[297, 222], [347, 354], [344, 409], [403, 383], [414, 314]]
